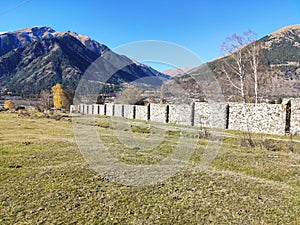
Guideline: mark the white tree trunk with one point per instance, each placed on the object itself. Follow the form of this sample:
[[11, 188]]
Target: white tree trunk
[[237, 63], [242, 89], [255, 83]]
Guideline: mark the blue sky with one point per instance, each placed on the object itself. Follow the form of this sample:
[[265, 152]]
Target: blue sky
[[200, 26]]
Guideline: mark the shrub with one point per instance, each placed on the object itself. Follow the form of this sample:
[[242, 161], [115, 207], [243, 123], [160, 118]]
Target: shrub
[[8, 104], [279, 100]]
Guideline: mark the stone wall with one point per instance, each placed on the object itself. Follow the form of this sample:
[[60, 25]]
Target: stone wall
[[181, 114], [90, 108], [101, 109], [85, 109], [260, 118], [202, 114], [158, 113], [119, 110], [210, 115], [141, 112], [129, 111], [74, 108], [80, 108], [295, 117], [109, 109], [96, 109]]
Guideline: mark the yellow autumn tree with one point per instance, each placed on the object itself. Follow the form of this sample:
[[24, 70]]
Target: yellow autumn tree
[[8, 104], [57, 96]]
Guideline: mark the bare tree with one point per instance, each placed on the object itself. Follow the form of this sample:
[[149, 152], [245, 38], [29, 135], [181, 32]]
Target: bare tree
[[253, 50], [130, 95], [242, 60], [67, 99], [45, 99], [234, 64]]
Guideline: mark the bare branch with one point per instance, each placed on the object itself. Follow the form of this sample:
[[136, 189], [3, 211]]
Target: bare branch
[[243, 53], [230, 80]]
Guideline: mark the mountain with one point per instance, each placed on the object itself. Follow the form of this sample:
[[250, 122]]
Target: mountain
[[175, 72], [279, 68], [34, 59], [283, 47]]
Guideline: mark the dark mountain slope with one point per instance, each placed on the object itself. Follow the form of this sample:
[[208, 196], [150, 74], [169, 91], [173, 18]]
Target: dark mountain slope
[[279, 69], [35, 59]]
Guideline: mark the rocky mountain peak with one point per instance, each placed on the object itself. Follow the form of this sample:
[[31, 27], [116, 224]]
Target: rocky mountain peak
[[291, 29], [289, 35], [39, 32], [91, 44], [34, 59], [19, 38], [23, 37]]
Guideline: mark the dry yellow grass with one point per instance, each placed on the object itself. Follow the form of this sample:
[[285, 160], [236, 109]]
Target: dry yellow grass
[[44, 180]]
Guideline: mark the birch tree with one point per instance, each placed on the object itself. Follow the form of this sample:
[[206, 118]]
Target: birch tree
[[234, 64], [242, 60], [254, 51]]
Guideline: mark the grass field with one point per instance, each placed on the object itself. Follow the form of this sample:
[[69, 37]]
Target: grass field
[[45, 180]]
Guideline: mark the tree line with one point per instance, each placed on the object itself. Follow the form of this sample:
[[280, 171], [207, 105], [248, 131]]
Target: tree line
[[58, 98]]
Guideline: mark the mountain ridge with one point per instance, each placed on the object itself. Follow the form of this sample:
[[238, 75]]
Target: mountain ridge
[[34, 59], [279, 63], [20, 38]]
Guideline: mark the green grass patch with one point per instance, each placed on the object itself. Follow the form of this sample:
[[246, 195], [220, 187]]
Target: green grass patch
[[140, 129], [44, 179]]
